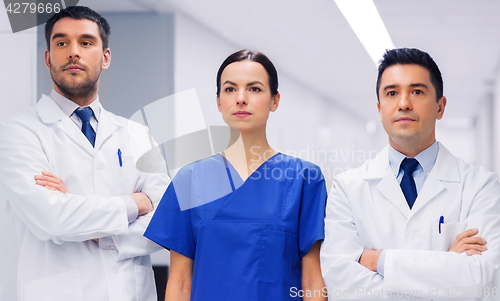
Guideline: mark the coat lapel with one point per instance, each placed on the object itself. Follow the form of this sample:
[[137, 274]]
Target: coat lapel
[[390, 189], [50, 113], [107, 125], [445, 170], [380, 172]]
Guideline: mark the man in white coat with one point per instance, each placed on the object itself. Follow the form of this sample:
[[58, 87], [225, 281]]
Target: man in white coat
[[414, 222], [67, 169]]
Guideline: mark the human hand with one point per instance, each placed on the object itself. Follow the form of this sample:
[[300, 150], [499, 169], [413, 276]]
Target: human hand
[[51, 182], [468, 243], [144, 204], [369, 259]]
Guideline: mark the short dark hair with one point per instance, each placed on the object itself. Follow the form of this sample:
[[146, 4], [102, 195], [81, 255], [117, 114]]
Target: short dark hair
[[254, 56], [78, 13], [412, 56]]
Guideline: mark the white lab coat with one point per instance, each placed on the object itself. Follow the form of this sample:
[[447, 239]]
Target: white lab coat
[[58, 261], [367, 209]]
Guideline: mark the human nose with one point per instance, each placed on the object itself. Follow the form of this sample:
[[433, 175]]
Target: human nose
[[74, 52], [241, 98], [404, 103]]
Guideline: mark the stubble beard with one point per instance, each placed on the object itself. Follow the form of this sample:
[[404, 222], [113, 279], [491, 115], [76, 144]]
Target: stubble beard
[[83, 90]]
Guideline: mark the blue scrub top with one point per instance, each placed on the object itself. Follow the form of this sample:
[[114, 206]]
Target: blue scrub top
[[247, 238]]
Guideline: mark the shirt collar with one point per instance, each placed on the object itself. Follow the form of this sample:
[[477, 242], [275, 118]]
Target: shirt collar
[[426, 158], [69, 107]]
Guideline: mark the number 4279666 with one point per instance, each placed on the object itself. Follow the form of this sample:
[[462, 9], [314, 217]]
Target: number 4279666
[[33, 8]]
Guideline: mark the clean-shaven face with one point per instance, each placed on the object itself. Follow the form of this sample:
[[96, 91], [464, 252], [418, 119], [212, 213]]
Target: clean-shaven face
[[408, 108], [245, 99]]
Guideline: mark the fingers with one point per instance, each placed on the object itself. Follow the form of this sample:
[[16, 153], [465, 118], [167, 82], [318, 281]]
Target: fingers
[[44, 179], [474, 240], [466, 237], [50, 182], [469, 243], [48, 178], [46, 173], [466, 233], [463, 244], [468, 247], [472, 252]]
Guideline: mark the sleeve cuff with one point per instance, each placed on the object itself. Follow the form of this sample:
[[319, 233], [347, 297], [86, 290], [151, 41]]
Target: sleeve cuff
[[381, 262], [132, 210]]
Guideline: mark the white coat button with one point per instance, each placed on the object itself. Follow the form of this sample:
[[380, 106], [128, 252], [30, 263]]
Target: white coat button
[[414, 236], [99, 166]]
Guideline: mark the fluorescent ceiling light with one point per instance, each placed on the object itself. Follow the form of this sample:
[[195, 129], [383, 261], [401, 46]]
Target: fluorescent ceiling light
[[365, 21]]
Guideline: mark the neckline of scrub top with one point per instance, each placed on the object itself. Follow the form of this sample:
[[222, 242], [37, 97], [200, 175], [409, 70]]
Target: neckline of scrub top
[[236, 172]]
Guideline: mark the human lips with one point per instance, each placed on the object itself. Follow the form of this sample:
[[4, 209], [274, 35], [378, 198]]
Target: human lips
[[73, 69], [404, 119], [241, 114]]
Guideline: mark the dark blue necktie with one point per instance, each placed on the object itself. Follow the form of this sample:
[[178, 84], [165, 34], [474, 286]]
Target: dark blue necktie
[[85, 114], [408, 183]]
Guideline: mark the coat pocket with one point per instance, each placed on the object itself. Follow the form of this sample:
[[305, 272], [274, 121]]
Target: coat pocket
[[145, 283], [279, 260], [60, 287], [449, 231], [126, 175]]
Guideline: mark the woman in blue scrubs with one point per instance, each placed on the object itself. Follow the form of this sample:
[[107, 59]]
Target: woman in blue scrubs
[[245, 224]]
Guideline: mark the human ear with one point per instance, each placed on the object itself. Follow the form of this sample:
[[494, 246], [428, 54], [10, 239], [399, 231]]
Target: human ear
[[441, 106], [218, 104], [276, 101], [47, 58], [106, 59], [379, 113]]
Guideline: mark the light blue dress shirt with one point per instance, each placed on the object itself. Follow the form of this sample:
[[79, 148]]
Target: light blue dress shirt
[[426, 159]]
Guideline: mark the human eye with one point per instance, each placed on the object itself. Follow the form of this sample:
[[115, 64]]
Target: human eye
[[391, 93], [60, 43], [229, 89], [86, 43], [418, 92], [255, 89]]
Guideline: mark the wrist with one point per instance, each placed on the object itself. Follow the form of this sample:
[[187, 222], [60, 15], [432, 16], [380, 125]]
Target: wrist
[[375, 259], [369, 259]]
